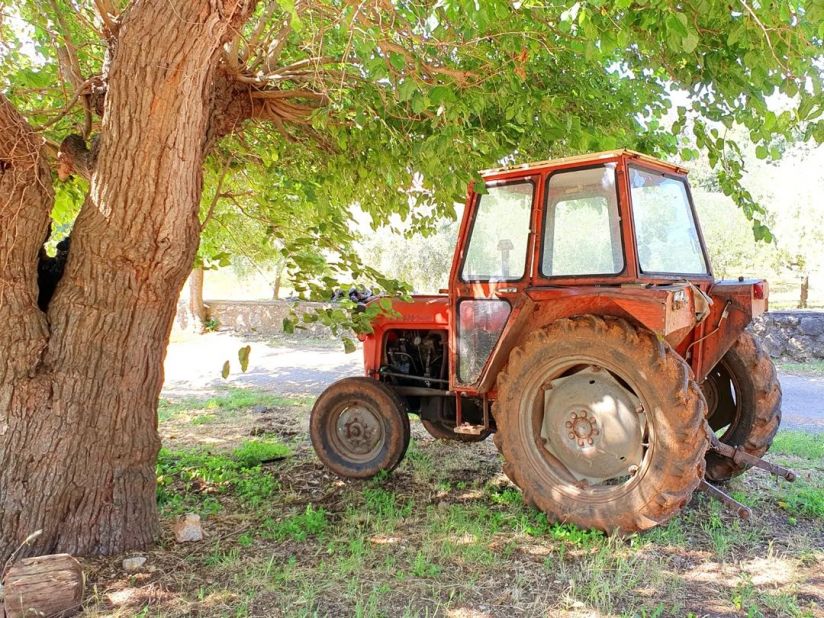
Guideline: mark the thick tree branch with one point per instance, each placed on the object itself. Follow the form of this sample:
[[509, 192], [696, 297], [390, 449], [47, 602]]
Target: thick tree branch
[[26, 199]]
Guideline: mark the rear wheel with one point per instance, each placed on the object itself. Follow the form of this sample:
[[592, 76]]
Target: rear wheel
[[359, 427], [600, 424], [744, 404]]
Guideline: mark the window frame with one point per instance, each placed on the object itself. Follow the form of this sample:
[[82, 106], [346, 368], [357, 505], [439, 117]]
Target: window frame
[[707, 274], [545, 218], [475, 209]]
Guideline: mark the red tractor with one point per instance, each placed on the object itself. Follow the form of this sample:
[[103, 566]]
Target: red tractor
[[584, 328]]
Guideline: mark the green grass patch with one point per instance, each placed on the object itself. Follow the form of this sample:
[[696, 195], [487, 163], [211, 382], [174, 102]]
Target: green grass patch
[[810, 368], [803, 499], [193, 480], [255, 452], [799, 444], [312, 522], [232, 399]]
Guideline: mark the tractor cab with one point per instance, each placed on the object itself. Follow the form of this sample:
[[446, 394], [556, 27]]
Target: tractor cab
[[583, 326]]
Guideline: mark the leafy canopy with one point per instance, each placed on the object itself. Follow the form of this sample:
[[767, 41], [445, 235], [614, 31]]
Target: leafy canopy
[[394, 105]]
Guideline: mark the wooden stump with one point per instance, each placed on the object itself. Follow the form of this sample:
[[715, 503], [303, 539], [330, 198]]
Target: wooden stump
[[43, 586]]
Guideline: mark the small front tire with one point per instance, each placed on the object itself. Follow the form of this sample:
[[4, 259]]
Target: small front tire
[[359, 427]]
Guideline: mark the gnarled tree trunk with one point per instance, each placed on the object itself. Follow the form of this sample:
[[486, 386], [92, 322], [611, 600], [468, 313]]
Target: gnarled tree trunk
[[79, 386]]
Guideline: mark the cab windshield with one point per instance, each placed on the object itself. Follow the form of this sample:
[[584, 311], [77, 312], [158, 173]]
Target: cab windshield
[[665, 230]]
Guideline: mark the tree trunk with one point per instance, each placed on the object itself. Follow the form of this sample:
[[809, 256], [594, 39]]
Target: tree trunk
[[278, 282], [79, 390], [805, 291], [197, 310]]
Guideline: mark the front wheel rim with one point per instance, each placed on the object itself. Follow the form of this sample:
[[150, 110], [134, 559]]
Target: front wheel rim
[[356, 431]]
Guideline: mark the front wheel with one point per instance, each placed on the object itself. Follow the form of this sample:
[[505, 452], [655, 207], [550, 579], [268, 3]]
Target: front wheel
[[601, 424], [359, 427]]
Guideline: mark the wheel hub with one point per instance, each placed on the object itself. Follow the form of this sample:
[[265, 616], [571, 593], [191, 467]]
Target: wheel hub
[[593, 425], [359, 430], [583, 428]]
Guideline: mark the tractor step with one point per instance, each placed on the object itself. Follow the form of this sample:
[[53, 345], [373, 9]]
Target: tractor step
[[468, 429], [740, 456], [743, 511]]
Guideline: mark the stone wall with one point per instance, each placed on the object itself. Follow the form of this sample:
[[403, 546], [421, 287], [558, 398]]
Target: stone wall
[[792, 335], [262, 317]]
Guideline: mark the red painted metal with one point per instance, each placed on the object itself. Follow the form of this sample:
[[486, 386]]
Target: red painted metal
[[664, 304]]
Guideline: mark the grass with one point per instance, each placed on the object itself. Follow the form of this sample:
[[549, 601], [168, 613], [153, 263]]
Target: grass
[[809, 368], [195, 480], [232, 399], [808, 446], [446, 534]]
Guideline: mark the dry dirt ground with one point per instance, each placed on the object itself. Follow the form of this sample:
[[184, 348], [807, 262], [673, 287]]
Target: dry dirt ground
[[444, 535]]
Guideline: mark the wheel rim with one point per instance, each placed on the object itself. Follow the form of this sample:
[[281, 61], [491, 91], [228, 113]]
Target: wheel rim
[[587, 428], [724, 406], [356, 431]]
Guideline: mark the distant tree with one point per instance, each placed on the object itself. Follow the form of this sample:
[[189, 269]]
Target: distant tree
[[387, 104]]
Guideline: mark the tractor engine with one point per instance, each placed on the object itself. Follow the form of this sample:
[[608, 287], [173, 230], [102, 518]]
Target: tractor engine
[[416, 358]]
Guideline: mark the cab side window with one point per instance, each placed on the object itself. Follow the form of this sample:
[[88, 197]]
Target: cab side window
[[500, 231], [582, 230]]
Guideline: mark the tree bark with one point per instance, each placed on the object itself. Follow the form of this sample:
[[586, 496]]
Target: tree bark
[[79, 387], [805, 291], [197, 310]]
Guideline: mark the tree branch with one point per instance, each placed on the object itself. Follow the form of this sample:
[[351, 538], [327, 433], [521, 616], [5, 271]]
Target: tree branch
[[218, 194]]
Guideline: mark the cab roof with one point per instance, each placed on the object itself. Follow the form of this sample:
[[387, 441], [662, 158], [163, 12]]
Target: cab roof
[[593, 156]]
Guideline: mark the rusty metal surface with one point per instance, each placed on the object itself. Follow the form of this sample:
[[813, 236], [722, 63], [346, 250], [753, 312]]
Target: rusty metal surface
[[740, 456], [744, 512]]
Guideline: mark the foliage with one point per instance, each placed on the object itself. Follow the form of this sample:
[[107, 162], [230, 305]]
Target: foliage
[[393, 106]]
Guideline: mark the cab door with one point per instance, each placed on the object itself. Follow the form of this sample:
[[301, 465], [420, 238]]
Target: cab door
[[492, 267]]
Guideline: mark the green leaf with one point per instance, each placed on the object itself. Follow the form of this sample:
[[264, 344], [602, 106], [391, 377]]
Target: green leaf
[[441, 94], [690, 42], [225, 371], [243, 357], [288, 326], [348, 345]]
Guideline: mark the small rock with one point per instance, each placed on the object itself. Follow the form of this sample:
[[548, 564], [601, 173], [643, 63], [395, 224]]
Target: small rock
[[134, 564], [188, 528]]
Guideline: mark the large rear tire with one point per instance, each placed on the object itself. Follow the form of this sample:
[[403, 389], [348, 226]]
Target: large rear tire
[[744, 404], [601, 424], [359, 427]]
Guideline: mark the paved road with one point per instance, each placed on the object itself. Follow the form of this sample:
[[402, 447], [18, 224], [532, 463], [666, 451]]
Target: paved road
[[193, 368]]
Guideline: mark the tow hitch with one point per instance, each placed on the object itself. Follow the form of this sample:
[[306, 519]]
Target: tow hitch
[[739, 456]]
